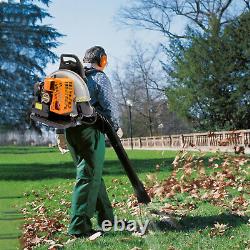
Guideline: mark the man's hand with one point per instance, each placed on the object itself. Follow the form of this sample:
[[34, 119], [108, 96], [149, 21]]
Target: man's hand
[[119, 132], [61, 143]]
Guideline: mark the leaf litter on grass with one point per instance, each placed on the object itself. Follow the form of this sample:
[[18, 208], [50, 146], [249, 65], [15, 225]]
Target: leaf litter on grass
[[220, 180], [213, 183]]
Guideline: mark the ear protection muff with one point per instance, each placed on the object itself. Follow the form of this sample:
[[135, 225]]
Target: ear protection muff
[[103, 60], [97, 55]]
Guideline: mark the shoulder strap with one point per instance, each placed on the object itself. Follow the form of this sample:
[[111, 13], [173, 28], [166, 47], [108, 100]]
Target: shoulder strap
[[90, 71]]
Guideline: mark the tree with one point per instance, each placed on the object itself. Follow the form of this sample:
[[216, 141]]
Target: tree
[[211, 83], [143, 82], [159, 15], [25, 50], [208, 61], [139, 85]]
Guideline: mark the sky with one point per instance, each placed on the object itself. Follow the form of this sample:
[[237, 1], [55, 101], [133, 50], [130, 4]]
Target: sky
[[90, 23]]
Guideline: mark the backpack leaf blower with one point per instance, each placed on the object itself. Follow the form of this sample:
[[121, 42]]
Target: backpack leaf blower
[[62, 101]]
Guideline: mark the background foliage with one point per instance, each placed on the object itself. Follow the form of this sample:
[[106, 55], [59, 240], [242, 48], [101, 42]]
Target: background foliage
[[25, 49]]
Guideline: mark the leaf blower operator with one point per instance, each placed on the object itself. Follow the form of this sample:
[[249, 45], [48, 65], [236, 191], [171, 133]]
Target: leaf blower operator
[[64, 101], [87, 147]]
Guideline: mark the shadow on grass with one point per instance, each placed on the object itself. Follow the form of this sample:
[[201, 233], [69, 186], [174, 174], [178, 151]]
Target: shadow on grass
[[10, 219], [26, 150], [201, 222], [9, 236], [10, 197], [40, 171], [189, 223]]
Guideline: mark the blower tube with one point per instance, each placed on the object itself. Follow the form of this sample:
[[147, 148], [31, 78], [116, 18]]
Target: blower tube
[[139, 189]]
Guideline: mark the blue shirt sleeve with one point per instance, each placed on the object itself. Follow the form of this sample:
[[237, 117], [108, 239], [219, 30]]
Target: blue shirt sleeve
[[106, 98]]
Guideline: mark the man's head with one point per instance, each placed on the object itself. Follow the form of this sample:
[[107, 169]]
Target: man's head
[[96, 56]]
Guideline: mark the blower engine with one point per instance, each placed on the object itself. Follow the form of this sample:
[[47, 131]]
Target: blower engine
[[62, 101]]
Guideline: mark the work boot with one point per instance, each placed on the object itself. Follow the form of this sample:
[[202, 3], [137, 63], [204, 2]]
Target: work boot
[[88, 234]]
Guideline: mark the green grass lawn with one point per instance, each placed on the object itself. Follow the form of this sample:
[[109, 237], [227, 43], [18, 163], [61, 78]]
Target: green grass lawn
[[40, 180]]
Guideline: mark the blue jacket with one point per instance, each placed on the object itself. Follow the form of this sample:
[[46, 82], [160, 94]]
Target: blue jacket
[[102, 96]]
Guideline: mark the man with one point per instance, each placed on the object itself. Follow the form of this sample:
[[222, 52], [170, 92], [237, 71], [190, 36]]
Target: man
[[87, 147]]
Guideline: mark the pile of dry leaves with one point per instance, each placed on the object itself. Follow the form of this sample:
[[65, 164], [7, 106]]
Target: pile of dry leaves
[[44, 223], [205, 181]]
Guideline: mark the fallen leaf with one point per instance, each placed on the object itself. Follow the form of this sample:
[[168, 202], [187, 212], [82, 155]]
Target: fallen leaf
[[55, 247], [218, 229], [95, 236]]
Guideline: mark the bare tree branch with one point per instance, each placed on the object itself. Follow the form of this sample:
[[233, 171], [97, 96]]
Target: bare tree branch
[[120, 84], [224, 8], [247, 3], [158, 14], [141, 82]]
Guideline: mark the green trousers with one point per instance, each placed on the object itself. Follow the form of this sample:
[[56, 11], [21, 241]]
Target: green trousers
[[87, 147]]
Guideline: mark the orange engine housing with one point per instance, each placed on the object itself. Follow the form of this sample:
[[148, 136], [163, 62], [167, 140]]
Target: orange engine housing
[[62, 90]]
